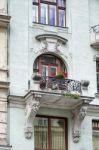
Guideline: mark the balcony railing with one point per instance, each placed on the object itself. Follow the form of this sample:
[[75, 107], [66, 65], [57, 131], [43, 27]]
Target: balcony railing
[[67, 85], [95, 36]]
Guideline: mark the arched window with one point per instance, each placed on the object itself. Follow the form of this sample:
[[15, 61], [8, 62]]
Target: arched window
[[48, 65]]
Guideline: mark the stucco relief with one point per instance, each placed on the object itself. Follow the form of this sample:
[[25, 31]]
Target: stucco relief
[[49, 45], [32, 107], [78, 116]]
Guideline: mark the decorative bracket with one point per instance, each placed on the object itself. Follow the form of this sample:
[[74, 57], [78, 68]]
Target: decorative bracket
[[32, 107], [78, 116]]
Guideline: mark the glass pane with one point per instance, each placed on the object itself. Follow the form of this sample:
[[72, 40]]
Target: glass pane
[[58, 134], [41, 133], [52, 15], [61, 3], [44, 71], [35, 13], [61, 18], [44, 14], [53, 71], [95, 142]]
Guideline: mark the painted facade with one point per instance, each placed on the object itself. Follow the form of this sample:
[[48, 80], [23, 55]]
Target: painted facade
[[48, 74]]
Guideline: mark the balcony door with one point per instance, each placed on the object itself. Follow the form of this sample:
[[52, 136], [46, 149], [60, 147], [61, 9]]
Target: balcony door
[[50, 133], [48, 70]]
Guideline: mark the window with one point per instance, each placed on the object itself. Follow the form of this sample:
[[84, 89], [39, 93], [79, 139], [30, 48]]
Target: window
[[51, 12], [95, 127], [50, 133], [97, 71]]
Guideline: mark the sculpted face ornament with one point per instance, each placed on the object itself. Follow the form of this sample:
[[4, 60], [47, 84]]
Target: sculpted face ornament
[[32, 107]]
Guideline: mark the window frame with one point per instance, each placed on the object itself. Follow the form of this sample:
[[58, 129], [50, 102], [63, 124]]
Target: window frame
[[97, 74], [49, 129], [48, 3]]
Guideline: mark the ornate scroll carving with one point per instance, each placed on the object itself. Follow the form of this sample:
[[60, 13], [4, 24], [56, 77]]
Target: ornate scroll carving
[[32, 107], [78, 116]]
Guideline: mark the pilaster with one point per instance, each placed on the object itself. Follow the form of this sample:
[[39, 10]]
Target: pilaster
[[4, 84]]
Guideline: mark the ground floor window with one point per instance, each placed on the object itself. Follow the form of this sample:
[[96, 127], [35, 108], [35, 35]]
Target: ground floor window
[[50, 133], [95, 126]]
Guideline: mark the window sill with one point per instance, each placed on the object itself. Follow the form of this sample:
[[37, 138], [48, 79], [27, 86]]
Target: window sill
[[50, 27]]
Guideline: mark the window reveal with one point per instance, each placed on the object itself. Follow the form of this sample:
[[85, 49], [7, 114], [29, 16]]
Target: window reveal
[[50, 12]]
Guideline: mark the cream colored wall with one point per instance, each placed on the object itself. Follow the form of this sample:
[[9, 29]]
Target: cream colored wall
[[3, 54], [3, 6]]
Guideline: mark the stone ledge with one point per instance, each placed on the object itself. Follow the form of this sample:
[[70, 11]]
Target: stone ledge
[[4, 85], [5, 147], [4, 20]]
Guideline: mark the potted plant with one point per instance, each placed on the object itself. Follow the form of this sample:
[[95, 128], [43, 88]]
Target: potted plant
[[36, 77], [60, 76], [42, 84]]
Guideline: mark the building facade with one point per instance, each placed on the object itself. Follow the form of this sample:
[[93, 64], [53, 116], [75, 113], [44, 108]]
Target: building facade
[[49, 75]]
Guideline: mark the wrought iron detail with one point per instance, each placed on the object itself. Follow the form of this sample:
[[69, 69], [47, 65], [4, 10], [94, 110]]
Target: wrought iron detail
[[68, 85], [95, 29]]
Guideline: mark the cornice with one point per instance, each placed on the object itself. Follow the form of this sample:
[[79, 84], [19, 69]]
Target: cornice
[[4, 20], [44, 36], [3, 147], [4, 85]]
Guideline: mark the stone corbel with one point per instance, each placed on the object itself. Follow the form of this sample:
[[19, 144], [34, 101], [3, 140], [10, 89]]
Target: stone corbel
[[32, 107], [78, 115]]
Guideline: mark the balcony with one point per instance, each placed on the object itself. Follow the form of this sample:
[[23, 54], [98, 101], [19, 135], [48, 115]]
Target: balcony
[[95, 36], [66, 85], [56, 85]]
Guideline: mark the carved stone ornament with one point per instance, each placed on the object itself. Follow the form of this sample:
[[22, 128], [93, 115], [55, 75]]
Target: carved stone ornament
[[32, 107], [78, 116], [85, 84]]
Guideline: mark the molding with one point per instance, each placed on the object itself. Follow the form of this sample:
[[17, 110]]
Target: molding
[[32, 107], [4, 20], [3, 147], [4, 85], [53, 36], [16, 101]]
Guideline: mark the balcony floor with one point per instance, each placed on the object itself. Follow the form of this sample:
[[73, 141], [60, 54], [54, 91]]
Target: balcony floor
[[57, 100]]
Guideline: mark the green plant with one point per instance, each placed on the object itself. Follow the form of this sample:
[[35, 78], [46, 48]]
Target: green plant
[[37, 77], [60, 76], [73, 96]]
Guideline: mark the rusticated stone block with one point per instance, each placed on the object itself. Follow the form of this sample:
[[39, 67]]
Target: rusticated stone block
[[3, 139], [3, 106], [3, 117], [3, 128]]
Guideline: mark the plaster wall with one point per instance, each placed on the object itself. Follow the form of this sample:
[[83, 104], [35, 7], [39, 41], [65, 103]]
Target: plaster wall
[[94, 12], [18, 55], [16, 130]]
